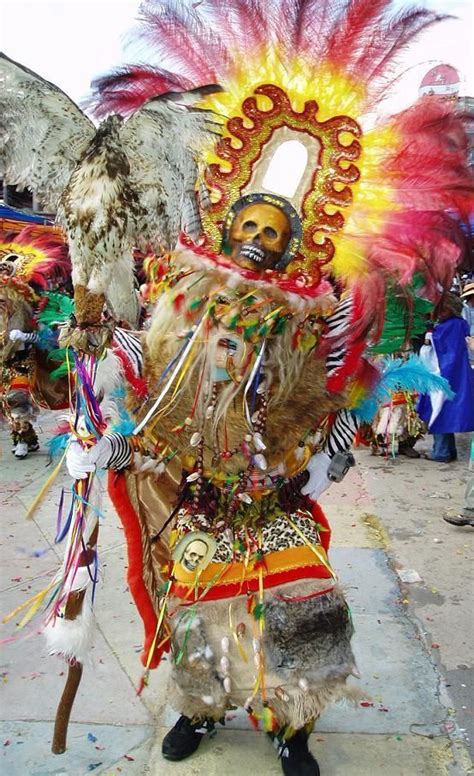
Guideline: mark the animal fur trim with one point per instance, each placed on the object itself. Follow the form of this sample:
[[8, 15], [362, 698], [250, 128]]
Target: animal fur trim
[[72, 639], [305, 706]]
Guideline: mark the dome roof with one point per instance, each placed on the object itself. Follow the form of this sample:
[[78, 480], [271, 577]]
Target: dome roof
[[442, 79]]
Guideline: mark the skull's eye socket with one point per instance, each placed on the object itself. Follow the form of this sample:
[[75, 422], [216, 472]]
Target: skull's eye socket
[[270, 233], [249, 226]]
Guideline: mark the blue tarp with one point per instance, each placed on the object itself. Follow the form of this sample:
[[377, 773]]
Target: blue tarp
[[18, 215]]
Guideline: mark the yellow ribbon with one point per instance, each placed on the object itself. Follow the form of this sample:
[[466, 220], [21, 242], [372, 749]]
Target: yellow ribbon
[[35, 602], [320, 555], [38, 499]]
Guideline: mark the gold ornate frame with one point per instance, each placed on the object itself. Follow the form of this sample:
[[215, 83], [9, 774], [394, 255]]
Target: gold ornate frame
[[332, 174]]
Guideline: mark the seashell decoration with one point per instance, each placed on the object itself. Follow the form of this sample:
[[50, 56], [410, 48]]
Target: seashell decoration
[[225, 644]]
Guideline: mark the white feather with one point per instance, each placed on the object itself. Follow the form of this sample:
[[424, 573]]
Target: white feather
[[44, 132]]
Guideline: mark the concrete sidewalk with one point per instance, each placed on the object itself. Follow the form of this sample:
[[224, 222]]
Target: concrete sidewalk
[[409, 725]]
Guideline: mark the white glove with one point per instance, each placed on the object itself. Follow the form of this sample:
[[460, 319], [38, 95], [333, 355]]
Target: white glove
[[16, 335], [318, 482], [78, 461], [101, 453], [81, 462]]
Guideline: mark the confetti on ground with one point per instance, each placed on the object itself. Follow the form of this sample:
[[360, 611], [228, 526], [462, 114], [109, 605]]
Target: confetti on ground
[[93, 766], [128, 757], [7, 742], [435, 646], [366, 704], [91, 737]]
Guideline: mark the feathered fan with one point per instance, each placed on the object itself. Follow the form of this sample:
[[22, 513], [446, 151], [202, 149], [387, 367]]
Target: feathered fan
[[125, 183]]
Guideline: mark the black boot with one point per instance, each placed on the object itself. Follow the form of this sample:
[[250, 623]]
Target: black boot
[[183, 739], [296, 759]]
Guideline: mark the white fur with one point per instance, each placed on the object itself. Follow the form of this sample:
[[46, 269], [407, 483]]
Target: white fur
[[72, 639]]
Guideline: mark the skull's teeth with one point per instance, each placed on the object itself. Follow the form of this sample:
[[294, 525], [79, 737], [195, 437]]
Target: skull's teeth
[[252, 252]]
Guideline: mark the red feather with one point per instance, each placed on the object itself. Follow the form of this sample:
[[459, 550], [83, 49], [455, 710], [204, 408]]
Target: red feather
[[126, 89], [189, 41], [54, 268], [387, 39], [204, 43]]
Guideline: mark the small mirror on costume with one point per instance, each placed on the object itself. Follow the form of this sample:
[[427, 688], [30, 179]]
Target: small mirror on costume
[[286, 169], [195, 551]]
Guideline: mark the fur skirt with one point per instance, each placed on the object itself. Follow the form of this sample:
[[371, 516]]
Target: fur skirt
[[294, 660]]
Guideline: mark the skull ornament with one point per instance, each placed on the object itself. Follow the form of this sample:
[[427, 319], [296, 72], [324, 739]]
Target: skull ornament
[[194, 554], [259, 236], [8, 264]]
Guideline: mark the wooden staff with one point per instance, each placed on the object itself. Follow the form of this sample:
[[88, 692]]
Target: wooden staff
[[74, 606], [88, 311]]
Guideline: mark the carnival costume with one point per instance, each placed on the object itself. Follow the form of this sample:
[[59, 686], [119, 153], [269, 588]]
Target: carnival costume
[[34, 267], [240, 403]]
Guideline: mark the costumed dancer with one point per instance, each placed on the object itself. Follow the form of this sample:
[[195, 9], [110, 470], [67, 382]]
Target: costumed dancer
[[397, 427], [241, 401], [446, 353], [34, 265]]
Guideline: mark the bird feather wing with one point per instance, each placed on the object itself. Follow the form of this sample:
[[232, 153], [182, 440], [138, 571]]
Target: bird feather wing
[[43, 133], [164, 141]]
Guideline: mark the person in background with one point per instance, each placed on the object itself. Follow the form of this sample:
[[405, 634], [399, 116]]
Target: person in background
[[466, 515], [467, 297], [446, 352]]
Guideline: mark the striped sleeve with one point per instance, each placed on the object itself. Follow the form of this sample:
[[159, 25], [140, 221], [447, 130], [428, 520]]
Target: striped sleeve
[[341, 434], [130, 344], [339, 322], [30, 337], [335, 359], [338, 325], [120, 451]]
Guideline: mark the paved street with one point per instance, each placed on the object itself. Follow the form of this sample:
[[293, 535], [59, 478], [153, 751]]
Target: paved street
[[414, 642]]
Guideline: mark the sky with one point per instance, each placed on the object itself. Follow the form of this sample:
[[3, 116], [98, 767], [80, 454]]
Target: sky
[[69, 42]]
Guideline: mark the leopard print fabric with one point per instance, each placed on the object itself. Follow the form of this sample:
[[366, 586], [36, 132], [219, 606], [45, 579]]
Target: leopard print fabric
[[277, 534]]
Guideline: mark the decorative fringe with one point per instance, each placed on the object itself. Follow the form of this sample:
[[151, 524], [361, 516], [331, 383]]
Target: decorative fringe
[[308, 705]]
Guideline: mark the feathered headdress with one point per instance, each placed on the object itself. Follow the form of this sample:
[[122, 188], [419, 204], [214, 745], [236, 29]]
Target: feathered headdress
[[299, 78], [38, 258]]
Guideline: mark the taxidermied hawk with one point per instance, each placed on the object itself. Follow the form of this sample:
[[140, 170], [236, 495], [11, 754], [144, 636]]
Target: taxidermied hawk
[[125, 183]]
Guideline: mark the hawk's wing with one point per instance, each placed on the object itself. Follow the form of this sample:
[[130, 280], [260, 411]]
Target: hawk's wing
[[163, 141], [43, 133]]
